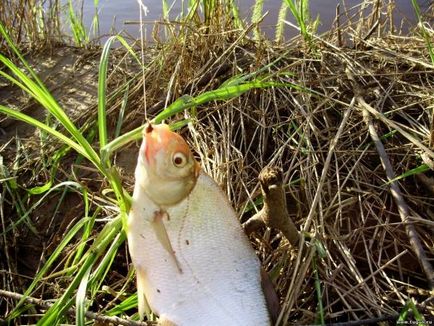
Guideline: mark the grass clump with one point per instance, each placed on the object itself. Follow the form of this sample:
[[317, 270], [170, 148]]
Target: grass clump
[[426, 30], [78, 30], [300, 11], [243, 104], [32, 22]]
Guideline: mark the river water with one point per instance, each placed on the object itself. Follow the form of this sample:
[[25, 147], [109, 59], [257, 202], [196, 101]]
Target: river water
[[115, 14]]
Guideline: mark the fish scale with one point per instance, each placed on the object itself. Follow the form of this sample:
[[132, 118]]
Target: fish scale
[[220, 279]]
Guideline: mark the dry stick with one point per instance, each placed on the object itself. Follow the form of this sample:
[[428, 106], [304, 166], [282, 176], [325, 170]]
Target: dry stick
[[91, 315], [403, 209]]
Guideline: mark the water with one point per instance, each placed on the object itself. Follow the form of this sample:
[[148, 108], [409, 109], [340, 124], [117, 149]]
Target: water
[[113, 14]]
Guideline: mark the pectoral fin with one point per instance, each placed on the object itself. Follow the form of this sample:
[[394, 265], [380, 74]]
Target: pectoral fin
[[141, 298], [163, 237]]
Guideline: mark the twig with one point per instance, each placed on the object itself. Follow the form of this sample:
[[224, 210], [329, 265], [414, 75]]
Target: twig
[[403, 208], [91, 315]]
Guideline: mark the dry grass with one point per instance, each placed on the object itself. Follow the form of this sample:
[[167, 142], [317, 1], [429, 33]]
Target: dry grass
[[317, 132], [370, 269]]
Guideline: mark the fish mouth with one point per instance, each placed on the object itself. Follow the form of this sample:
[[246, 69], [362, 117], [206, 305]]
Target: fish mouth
[[148, 127]]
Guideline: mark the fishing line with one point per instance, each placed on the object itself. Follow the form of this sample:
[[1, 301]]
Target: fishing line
[[143, 9]]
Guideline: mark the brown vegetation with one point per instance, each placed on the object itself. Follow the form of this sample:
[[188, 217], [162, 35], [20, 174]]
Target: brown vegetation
[[321, 131]]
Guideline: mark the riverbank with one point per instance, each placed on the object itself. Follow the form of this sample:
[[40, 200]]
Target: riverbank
[[321, 108]]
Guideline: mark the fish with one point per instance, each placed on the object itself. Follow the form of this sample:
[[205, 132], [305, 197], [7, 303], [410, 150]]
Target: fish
[[194, 264]]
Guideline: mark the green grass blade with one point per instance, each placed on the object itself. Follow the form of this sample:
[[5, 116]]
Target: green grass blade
[[24, 214], [318, 291], [105, 237], [27, 119], [420, 169], [121, 115], [10, 185], [425, 34], [102, 86], [127, 304], [54, 162], [121, 141], [77, 27], [129, 49], [165, 9], [220, 94], [49, 103], [40, 189], [235, 14], [12, 46], [54, 256], [85, 237], [410, 306], [300, 10], [186, 102], [416, 9], [95, 19], [293, 8], [15, 81], [25, 82], [192, 11], [80, 300], [99, 275]]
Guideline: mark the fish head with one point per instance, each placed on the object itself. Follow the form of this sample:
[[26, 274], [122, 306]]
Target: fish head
[[167, 169]]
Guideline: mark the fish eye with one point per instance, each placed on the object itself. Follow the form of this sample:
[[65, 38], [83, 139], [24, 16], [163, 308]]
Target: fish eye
[[179, 159]]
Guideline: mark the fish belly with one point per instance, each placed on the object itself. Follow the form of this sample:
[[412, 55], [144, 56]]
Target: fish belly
[[219, 282]]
